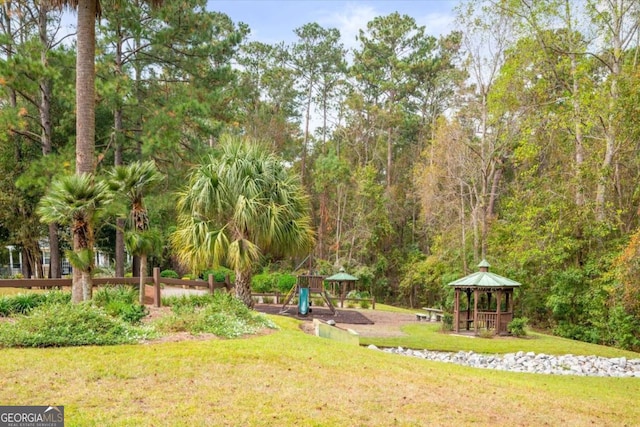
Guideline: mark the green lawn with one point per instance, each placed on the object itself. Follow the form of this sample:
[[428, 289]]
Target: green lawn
[[422, 335], [290, 378]]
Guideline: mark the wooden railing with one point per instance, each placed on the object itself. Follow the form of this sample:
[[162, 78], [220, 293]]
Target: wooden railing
[[155, 280], [486, 320]]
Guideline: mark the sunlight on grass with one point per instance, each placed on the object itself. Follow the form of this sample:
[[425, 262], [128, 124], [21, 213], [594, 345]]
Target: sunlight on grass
[[291, 378]]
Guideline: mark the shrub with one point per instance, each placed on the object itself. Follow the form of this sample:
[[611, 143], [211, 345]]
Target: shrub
[[122, 302], [263, 282], [25, 302], [122, 293], [285, 282], [447, 322], [219, 274], [487, 333], [364, 304], [58, 325], [170, 274], [517, 326], [220, 314]]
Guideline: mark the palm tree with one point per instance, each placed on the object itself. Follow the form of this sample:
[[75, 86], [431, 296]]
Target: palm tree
[[132, 181], [78, 201], [240, 203], [87, 10]]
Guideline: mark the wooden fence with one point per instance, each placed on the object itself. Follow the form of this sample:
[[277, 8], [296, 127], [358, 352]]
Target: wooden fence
[[155, 280]]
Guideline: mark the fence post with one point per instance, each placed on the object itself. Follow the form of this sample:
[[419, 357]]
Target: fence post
[[156, 287], [373, 303], [210, 279]]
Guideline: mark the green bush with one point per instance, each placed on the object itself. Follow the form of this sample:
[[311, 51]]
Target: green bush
[[122, 302], [170, 274], [59, 325], [220, 314], [219, 274], [447, 322], [25, 302], [178, 303], [122, 293], [487, 333], [262, 283], [364, 304], [285, 282], [517, 326]]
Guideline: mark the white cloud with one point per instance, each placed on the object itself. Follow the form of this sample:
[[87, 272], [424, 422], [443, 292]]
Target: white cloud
[[349, 21]]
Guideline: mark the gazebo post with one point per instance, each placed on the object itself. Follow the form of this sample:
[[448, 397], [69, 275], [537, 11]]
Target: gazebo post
[[498, 302], [456, 311], [475, 310], [468, 291]]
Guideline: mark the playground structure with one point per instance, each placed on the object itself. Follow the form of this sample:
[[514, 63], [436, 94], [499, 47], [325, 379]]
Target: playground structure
[[304, 287]]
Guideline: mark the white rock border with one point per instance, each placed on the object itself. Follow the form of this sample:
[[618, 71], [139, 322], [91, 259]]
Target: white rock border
[[592, 366]]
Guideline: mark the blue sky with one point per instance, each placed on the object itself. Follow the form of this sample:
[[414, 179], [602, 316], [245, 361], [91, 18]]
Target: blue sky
[[273, 21]]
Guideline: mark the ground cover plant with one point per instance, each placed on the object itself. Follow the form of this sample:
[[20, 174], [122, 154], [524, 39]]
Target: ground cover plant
[[114, 317], [220, 314], [291, 378]]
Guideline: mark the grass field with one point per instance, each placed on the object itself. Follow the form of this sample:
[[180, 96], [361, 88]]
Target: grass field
[[291, 378]]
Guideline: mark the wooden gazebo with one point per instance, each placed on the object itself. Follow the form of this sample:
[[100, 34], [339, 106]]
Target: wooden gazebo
[[342, 278], [485, 312]]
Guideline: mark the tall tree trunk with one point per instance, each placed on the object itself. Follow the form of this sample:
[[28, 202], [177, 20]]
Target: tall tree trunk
[[77, 278], [87, 285], [305, 142], [118, 161], [45, 136], [55, 261], [85, 87], [85, 126], [143, 277], [243, 287]]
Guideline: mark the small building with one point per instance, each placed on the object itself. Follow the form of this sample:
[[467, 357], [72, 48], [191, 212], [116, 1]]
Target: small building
[[489, 301]]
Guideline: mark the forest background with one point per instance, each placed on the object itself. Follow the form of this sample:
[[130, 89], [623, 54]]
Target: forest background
[[513, 138]]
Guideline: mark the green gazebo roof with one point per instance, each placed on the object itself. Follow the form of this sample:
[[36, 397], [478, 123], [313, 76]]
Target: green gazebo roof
[[342, 276], [485, 279]]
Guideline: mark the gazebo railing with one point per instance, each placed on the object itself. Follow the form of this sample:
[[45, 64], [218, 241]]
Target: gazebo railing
[[486, 320]]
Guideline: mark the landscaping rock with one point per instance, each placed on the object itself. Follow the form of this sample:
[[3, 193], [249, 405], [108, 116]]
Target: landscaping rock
[[568, 364]]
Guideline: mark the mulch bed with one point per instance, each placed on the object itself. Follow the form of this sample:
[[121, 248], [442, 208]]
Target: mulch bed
[[322, 313]]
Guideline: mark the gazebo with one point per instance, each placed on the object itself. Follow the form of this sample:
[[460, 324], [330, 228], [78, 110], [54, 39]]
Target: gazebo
[[486, 312], [342, 278]]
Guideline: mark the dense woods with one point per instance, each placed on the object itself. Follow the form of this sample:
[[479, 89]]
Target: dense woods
[[513, 139]]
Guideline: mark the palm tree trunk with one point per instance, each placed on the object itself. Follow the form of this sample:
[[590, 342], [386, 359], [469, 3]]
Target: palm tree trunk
[[243, 287], [87, 285], [85, 86], [143, 273]]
